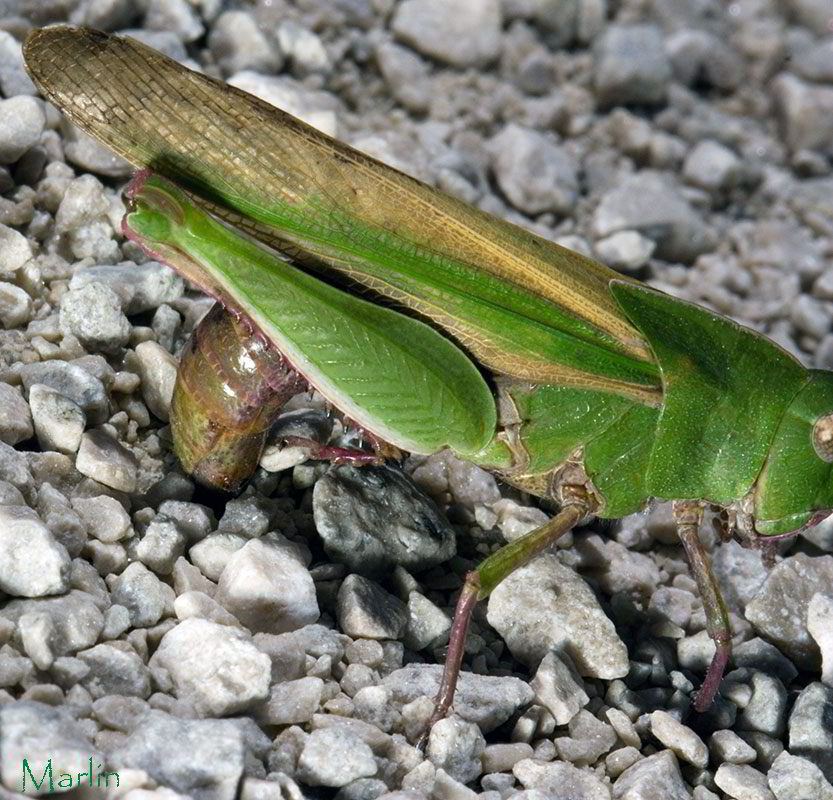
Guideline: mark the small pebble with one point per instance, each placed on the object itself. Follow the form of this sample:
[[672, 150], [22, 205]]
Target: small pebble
[[334, 758], [465, 33], [743, 782], [456, 746], [104, 459], [267, 586], [22, 124], [215, 667], [32, 563], [367, 611], [59, 421], [559, 688], [105, 517], [15, 306], [15, 416]]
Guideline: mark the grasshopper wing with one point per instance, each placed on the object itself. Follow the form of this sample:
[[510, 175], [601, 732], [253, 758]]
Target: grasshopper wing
[[523, 306]]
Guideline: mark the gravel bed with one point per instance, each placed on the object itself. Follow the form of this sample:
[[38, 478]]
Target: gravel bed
[[286, 643]]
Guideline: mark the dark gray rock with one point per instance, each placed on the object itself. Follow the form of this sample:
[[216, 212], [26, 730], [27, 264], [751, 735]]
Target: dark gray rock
[[373, 519]]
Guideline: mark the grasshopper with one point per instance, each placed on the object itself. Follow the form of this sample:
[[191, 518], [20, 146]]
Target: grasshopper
[[561, 376]]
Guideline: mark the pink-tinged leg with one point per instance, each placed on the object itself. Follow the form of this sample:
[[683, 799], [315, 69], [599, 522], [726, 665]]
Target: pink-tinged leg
[[688, 516], [479, 584]]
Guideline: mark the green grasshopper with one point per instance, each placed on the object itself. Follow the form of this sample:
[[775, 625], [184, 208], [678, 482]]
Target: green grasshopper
[[562, 377]]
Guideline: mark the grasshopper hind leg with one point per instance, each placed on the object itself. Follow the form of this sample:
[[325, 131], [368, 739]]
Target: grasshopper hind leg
[[688, 517]]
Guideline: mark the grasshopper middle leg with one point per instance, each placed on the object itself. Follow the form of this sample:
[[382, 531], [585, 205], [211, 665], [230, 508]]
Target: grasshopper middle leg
[[480, 582]]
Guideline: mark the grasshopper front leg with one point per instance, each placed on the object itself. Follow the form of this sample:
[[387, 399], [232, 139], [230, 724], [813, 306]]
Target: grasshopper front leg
[[577, 504]]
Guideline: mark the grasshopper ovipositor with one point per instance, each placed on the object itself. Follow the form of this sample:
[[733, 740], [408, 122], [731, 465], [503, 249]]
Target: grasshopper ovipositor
[[553, 371]]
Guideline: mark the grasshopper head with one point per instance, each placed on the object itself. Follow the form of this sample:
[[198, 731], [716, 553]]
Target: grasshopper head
[[795, 487]]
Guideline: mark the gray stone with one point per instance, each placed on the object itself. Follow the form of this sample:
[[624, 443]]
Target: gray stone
[[15, 306], [236, 42], [14, 471], [207, 761], [625, 250], [13, 77], [291, 702], [534, 617], [820, 627], [806, 113], [558, 779], [779, 611], [15, 417], [405, 74], [649, 203], [463, 33], [59, 421], [456, 746], [76, 621], [815, 63], [175, 16], [93, 314], [795, 778], [761, 655], [631, 65], [373, 519], [115, 671], [32, 562], [266, 585], [427, 622], [199, 604], [118, 712], [144, 596], [216, 668], [727, 746], [502, 757], [85, 201], [116, 622], [194, 520], [104, 517], [589, 739], [767, 707], [487, 701], [157, 368], [15, 248], [365, 610], [617, 761], [40, 733], [213, 553], [534, 173], [655, 776], [701, 56], [37, 631], [680, 739], [105, 460], [140, 287], [21, 124], [712, 166], [303, 48], [334, 758], [743, 782], [72, 381], [559, 688], [161, 545], [810, 732]]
